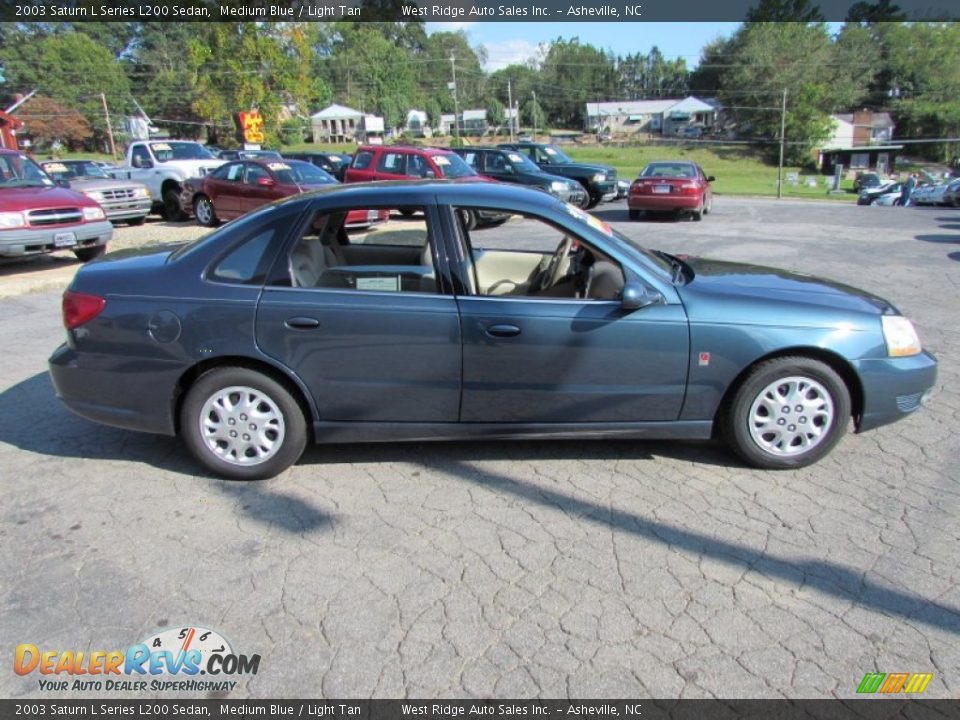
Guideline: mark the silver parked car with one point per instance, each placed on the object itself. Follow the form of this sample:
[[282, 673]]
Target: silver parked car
[[122, 200]]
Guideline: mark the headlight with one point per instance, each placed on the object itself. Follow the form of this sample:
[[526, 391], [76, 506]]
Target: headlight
[[599, 177], [93, 213], [94, 195], [10, 220], [141, 192], [900, 336], [559, 186]]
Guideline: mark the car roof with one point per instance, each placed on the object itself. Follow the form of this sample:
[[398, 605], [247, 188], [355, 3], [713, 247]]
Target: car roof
[[457, 190], [411, 148]]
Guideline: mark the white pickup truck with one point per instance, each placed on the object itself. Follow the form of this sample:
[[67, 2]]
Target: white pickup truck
[[163, 166]]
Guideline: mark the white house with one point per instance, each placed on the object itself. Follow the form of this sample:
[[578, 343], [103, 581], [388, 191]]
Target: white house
[[668, 116], [336, 123], [863, 127], [417, 124], [473, 122], [446, 123]]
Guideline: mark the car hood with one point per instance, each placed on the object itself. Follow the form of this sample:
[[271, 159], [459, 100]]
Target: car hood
[[86, 184], [718, 280], [41, 198], [580, 168]]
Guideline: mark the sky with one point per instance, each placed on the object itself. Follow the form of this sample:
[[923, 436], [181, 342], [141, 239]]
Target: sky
[[508, 43]]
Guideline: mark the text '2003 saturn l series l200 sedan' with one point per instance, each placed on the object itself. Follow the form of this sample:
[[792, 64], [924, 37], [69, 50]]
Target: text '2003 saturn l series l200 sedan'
[[282, 326]]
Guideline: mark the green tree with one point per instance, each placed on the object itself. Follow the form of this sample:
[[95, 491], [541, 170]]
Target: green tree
[[572, 75]]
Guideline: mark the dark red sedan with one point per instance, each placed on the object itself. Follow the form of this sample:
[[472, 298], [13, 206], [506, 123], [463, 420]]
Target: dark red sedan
[[673, 186], [244, 185]]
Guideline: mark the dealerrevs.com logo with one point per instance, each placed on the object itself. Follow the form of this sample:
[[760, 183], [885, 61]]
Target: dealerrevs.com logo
[[169, 661]]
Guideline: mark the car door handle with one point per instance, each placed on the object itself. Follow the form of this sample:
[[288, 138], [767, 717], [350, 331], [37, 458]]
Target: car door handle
[[302, 323], [503, 330]]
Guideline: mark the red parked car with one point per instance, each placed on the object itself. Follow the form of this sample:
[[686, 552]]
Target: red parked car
[[37, 216], [244, 185], [399, 162], [675, 186]]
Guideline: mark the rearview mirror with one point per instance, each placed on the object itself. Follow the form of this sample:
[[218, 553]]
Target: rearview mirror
[[636, 296]]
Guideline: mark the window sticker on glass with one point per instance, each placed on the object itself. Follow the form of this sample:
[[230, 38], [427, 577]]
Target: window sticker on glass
[[441, 160], [550, 151], [160, 146], [278, 166], [515, 158], [55, 168], [585, 217], [381, 284]]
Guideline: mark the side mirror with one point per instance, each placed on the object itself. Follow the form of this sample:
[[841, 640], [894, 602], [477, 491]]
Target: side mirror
[[636, 296], [710, 178], [62, 182], [142, 163], [430, 174], [266, 182]]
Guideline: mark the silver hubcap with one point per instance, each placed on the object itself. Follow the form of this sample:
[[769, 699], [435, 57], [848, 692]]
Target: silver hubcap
[[204, 211], [242, 426], [791, 416]]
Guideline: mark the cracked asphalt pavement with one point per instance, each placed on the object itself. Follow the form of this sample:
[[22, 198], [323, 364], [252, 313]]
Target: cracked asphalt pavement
[[555, 569]]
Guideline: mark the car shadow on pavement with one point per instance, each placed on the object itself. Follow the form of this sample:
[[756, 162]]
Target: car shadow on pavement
[[33, 420], [621, 214], [844, 583]]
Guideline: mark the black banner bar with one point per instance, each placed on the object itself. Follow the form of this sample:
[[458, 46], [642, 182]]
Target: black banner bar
[[873, 709], [443, 10]]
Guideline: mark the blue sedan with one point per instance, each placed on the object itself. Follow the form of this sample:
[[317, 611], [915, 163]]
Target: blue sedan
[[282, 327]]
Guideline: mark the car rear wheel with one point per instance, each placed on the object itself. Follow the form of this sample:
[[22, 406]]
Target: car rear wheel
[[697, 214], [204, 212], [90, 253], [788, 413], [242, 424], [171, 205]]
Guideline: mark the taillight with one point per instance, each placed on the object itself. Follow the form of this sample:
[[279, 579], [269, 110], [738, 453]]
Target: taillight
[[80, 308], [689, 188]]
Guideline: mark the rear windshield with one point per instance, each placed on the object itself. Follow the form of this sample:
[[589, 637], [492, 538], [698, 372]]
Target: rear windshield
[[298, 172], [669, 170]]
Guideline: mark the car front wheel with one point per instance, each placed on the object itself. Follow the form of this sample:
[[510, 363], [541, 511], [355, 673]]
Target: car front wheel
[[204, 212], [788, 413], [171, 205], [243, 425]]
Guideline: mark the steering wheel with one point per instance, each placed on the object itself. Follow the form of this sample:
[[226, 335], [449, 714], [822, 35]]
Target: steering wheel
[[555, 269]]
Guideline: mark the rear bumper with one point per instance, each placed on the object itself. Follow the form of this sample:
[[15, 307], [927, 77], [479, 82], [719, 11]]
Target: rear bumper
[[664, 203], [94, 388], [894, 387], [33, 241]]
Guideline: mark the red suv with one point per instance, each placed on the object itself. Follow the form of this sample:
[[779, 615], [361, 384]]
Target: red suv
[[37, 216], [398, 162]]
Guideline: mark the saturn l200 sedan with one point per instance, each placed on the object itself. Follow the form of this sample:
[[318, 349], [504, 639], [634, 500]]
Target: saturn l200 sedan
[[280, 328]]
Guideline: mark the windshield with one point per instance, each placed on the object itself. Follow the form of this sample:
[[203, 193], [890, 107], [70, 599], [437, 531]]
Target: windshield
[[297, 172], [71, 169], [521, 163], [453, 166], [166, 151], [556, 157], [598, 225], [21, 171]]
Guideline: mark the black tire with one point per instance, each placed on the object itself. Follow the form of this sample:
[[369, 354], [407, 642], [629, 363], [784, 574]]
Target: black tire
[[697, 214], [634, 214], [825, 391], [90, 253], [595, 200], [203, 211], [708, 206], [271, 396], [137, 221], [171, 205]]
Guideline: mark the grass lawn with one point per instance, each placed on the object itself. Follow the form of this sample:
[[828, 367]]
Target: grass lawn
[[739, 169]]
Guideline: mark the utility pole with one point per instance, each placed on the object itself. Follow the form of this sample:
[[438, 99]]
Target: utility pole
[[456, 102], [534, 113], [106, 114], [783, 126], [510, 108]]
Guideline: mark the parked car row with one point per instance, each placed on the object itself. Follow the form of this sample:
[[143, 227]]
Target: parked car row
[[945, 193]]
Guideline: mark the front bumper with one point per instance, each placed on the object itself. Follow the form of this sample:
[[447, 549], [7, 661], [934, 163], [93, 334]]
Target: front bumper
[[36, 240], [126, 209], [108, 391], [894, 387], [574, 196]]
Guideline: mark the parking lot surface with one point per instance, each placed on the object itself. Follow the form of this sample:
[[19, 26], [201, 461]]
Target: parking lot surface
[[572, 568]]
